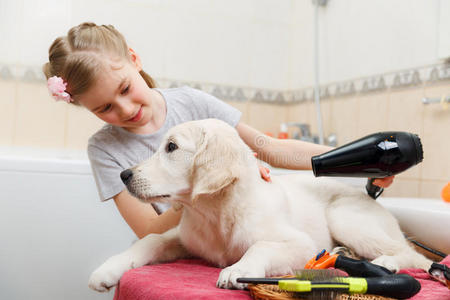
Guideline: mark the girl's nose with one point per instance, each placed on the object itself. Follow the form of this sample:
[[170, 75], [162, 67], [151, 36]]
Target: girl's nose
[[125, 107]]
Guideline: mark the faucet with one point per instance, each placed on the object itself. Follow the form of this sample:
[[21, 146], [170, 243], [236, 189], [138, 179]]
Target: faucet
[[304, 134]]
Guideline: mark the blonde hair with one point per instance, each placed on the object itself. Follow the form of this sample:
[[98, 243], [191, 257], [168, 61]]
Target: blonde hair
[[79, 56]]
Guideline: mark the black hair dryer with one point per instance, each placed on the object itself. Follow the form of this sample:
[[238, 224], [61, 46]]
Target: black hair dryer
[[377, 155]]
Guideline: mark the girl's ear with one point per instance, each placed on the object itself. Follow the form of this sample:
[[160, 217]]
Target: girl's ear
[[135, 59]]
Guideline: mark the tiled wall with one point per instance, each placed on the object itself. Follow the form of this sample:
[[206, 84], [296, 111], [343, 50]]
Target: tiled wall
[[31, 118], [352, 109]]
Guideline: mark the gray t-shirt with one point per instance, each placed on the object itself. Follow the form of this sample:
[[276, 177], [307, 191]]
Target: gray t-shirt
[[113, 149]]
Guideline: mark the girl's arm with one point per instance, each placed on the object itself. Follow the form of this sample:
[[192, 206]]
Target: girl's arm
[[288, 154], [280, 153], [142, 217]]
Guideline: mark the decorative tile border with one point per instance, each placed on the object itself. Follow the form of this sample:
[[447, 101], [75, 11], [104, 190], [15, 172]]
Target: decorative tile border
[[377, 83], [22, 73], [394, 80]]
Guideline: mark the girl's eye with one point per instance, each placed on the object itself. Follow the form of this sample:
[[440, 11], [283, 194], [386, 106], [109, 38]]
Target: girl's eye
[[106, 108], [171, 147], [125, 90]]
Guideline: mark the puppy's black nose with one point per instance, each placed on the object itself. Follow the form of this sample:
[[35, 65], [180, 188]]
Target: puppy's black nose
[[126, 175]]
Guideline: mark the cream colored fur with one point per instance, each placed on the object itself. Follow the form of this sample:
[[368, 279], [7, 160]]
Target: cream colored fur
[[236, 220]]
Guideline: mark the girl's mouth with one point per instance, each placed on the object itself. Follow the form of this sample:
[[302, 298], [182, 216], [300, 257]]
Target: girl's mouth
[[137, 117]]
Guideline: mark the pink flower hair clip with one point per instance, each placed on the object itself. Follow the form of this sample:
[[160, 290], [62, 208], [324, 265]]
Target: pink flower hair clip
[[57, 88]]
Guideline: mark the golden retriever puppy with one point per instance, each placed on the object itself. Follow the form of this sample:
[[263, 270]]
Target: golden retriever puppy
[[249, 227]]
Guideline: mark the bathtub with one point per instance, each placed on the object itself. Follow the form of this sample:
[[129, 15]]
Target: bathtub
[[54, 230]]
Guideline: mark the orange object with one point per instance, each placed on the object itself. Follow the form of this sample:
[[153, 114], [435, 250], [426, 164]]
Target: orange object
[[323, 260], [283, 134], [445, 194], [268, 133]]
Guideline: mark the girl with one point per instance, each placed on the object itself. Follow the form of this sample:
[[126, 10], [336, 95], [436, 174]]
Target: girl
[[93, 67]]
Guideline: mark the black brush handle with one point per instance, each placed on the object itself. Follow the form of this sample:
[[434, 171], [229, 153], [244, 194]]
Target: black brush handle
[[399, 286], [360, 268]]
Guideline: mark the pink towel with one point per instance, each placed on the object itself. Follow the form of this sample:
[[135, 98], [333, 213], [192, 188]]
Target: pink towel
[[182, 279], [195, 279]]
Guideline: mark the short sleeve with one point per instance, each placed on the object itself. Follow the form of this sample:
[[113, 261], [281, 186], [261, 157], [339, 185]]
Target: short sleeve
[[208, 106], [106, 171]]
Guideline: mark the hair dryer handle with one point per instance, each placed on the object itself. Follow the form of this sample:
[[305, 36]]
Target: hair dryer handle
[[373, 190]]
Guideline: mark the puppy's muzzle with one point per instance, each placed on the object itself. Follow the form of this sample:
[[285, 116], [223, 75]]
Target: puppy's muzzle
[[126, 176]]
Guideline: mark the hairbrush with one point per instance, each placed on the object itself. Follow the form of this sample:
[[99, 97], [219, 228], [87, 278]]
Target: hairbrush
[[324, 284]]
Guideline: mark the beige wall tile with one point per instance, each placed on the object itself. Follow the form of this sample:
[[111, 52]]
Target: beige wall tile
[[344, 114], [39, 121], [242, 107], [326, 106], [403, 187], [81, 124], [413, 173], [299, 113], [436, 136], [372, 113], [267, 117], [7, 111], [406, 114], [406, 110], [431, 188]]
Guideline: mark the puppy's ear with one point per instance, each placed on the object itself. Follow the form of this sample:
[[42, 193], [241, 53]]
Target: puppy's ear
[[215, 166]]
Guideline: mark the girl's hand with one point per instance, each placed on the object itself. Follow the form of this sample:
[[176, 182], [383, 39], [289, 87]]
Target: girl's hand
[[384, 182], [265, 172]]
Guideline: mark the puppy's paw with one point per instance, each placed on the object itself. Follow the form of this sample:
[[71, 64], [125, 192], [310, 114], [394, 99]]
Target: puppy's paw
[[389, 262], [108, 275], [228, 276]]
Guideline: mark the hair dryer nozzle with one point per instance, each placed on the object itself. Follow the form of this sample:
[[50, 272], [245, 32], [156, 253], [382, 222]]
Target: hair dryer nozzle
[[377, 155], [419, 147]]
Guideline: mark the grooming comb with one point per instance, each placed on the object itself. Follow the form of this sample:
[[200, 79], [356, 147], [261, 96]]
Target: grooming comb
[[311, 284], [323, 284]]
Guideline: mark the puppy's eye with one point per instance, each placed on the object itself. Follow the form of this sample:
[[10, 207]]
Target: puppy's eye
[[171, 147]]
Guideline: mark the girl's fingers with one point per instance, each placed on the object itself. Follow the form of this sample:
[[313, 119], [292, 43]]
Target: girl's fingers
[[265, 173], [384, 182]]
